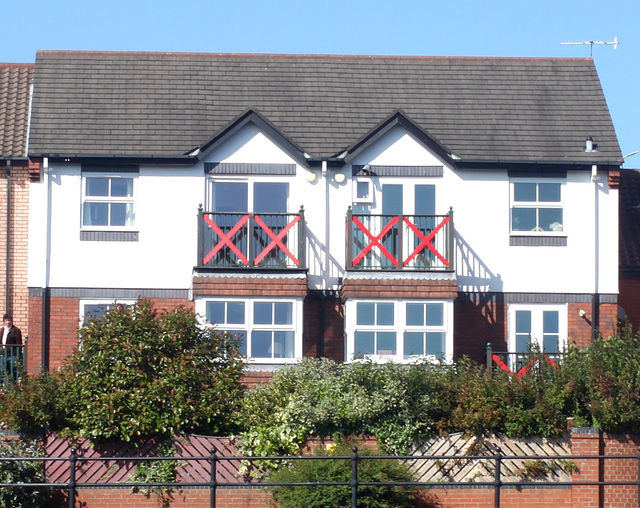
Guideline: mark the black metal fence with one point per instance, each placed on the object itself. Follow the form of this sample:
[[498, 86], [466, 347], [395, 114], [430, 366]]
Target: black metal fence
[[213, 484], [11, 363]]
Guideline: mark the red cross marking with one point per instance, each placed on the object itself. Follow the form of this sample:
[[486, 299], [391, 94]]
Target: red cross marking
[[225, 239], [276, 240], [375, 241], [425, 241]]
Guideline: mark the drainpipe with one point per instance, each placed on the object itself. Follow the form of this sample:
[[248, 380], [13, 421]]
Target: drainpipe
[[44, 363], [595, 304], [7, 275], [326, 269]]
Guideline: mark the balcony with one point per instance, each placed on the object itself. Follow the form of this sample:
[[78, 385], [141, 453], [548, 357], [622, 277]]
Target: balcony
[[232, 240], [11, 363], [400, 242]]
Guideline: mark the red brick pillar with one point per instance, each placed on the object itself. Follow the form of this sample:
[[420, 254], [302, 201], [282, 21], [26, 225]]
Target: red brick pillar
[[586, 441]]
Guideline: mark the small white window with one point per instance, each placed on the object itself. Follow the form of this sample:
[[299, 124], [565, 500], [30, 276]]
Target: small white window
[[536, 206], [362, 191], [91, 309], [269, 330], [399, 330], [108, 201]]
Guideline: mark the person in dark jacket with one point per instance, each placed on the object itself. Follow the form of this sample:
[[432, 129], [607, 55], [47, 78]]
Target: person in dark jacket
[[11, 335]]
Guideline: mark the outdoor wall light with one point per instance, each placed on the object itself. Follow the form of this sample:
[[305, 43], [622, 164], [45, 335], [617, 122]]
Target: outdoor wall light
[[582, 313], [339, 177], [311, 176]]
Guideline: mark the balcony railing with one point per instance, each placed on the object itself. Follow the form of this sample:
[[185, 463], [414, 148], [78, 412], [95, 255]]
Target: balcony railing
[[11, 363], [400, 242], [231, 240]]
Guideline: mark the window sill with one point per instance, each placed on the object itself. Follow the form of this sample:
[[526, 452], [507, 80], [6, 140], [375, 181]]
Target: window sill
[[538, 240], [108, 236]]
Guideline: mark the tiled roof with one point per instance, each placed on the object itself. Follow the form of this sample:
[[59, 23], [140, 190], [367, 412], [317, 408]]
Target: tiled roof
[[15, 82], [164, 104], [629, 195]]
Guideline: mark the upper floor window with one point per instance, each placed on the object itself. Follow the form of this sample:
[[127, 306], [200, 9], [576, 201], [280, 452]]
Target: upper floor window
[[108, 201], [242, 196], [536, 206], [269, 331]]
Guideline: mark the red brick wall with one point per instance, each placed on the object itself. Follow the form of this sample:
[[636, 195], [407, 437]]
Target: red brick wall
[[580, 328], [475, 324], [64, 315], [629, 298], [323, 333], [399, 288], [250, 286], [484, 498], [18, 244]]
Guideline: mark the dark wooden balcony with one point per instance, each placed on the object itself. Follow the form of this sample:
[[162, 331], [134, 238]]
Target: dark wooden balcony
[[232, 240], [400, 242]]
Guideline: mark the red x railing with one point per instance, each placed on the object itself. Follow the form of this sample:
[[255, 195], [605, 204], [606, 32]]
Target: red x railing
[[248, 240], [411, 242]]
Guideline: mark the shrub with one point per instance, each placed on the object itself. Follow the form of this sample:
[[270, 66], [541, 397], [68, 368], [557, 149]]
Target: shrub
[[339, 470], [21, 472], [144, 373]]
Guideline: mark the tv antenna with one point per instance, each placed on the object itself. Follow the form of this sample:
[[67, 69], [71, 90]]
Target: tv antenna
[[613, 43]]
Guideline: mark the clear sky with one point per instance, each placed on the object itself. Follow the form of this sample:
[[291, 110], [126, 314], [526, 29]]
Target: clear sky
[[513, 28]]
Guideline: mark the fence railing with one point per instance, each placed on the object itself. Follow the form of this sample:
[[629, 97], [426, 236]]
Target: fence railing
[[519, 363], [11, 363], [213, 461]]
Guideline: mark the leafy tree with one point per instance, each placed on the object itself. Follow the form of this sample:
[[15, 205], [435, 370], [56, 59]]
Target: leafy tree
[[139, 373]]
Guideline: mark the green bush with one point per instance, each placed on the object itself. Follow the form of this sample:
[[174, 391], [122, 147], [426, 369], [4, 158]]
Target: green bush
[[339, 470], [21, 472]]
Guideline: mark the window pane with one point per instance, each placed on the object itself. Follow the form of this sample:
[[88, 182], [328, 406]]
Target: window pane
[[97, 187], [365, 313], [523, 321], [269, 197], [215, 312], [386, 343], [549, 192], [522, 343], [283, 313], [95, 214], [235, 312], [425, 200], [385, 314], [261, 344], [362, 190], [435, 344], [413, 344], [415, 314], [262, 313], [118, 214], [550, 321], [524, 192], [523, 219], [230, 197], [363, 344], [435, 314], [392, 199], [551, 343], [551, 219], [121, 187], [283, 344], [95, 310], [242, 341]]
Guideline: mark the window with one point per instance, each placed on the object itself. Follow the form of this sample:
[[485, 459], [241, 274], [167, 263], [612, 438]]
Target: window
[[536, 206], [399, 330], [91, 309], [108, 201], [269, 330], [543, 326], [362, 190]]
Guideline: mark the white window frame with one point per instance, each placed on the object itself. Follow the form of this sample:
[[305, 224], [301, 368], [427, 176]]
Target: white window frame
[[537, 335], [109, 200], [538, 205], [250, 182], [363, 200], [250, 326], [399, 327], [102, 301]]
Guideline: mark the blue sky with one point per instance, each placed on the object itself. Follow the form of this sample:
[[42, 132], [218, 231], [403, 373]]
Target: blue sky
[[511, 28]]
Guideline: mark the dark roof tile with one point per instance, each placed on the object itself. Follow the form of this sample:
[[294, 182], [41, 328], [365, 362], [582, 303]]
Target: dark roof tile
[[15, 84]]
